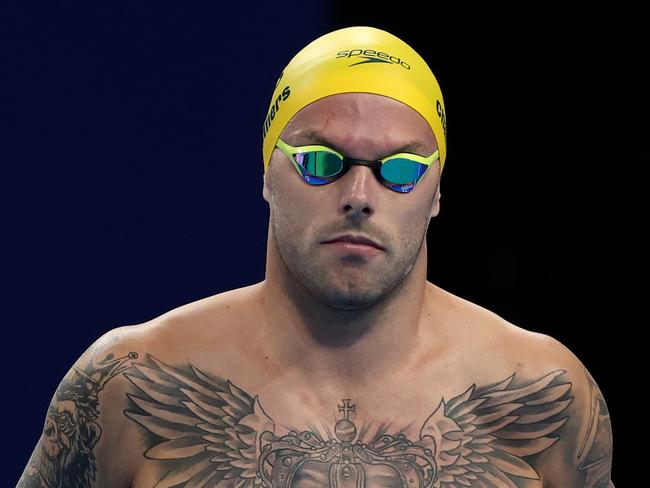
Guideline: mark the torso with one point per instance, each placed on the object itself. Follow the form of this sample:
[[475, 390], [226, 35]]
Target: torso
[[217, 337]]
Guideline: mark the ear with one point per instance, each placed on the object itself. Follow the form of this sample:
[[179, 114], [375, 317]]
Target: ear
[[435, 204], [265, 190], [266, 194]]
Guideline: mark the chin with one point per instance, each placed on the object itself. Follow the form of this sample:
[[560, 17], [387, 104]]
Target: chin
[[356, 299]]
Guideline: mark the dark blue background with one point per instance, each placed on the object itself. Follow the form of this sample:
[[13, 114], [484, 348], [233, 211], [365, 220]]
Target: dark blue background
[[133, 175]]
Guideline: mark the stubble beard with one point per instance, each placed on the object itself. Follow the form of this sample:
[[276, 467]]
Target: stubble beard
[[348, 286]]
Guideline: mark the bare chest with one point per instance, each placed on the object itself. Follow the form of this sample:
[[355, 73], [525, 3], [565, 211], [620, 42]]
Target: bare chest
[[199, 429]]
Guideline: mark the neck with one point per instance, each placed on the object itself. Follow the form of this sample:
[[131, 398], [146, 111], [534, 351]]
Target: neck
[[322, 342]]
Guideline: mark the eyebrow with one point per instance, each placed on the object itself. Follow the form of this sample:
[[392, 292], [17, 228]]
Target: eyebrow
[[313, 137]]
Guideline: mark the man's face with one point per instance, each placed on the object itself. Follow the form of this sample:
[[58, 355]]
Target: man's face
[[363, 126]]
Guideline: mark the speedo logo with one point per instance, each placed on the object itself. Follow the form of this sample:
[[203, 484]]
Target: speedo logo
[[371, 56], [275, 108]]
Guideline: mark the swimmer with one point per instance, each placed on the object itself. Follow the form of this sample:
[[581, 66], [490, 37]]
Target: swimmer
[[345, 366]]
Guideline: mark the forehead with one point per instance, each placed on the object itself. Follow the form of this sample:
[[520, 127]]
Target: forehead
[[362, 115]]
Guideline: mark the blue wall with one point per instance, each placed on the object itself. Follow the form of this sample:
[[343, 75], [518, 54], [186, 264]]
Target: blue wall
[[133, 152]]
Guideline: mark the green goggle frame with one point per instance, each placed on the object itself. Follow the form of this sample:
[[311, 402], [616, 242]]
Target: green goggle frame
[[320, 165]]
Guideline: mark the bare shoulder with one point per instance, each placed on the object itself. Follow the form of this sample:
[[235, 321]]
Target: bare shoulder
[[585, 443], [494, 340], [82, 428], [87, 440], [553, 412], [582, 454]]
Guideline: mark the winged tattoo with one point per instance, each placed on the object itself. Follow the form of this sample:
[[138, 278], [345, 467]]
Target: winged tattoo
[[208, 432]]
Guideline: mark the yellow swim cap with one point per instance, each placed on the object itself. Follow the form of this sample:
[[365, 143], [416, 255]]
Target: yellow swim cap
[[355, 59]]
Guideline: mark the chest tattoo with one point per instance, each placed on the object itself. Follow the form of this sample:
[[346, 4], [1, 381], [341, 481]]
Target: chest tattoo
[[208, 432]]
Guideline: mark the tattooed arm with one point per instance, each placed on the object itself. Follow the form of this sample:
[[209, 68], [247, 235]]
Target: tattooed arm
[[79, 437], [595, 450], [582, 457]]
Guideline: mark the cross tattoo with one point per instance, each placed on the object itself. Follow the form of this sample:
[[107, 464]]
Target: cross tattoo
[[346, 408]]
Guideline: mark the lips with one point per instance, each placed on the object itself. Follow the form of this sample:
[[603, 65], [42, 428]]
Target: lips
[[355, 240]]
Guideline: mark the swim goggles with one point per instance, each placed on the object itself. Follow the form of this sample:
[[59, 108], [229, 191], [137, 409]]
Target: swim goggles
[[320, 165]]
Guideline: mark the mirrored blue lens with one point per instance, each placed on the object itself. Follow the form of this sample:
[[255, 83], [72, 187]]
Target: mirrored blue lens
[[401, 171]]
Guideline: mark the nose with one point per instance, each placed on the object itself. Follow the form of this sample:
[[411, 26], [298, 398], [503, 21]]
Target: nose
[[359, 191]]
